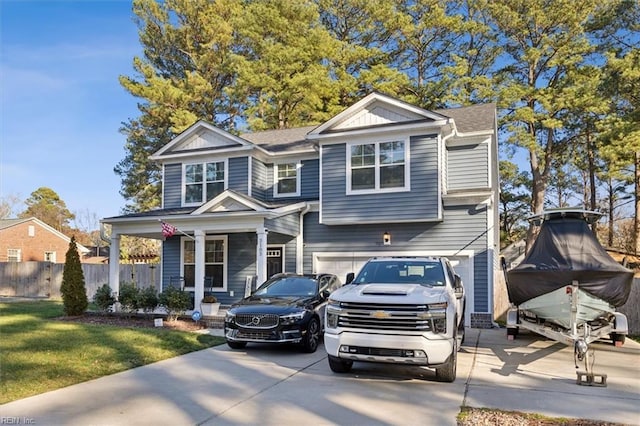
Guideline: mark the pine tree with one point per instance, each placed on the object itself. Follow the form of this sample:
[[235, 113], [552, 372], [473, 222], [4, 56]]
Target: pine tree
[[74, 293]]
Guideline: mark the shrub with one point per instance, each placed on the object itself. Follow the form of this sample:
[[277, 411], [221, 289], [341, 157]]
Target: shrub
[[104, 298], [72, 289], [128, 297], [148, 299], [175, 302], [210, 298]]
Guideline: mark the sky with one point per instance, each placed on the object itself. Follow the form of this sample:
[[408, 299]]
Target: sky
[[61, 103]]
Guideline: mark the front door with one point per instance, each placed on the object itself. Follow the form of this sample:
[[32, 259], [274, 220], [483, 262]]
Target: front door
[[274, 261]]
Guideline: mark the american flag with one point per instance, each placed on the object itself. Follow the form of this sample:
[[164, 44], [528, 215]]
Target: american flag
[[168, 230]]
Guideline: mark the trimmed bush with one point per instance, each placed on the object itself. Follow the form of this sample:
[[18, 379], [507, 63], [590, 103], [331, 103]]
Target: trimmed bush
[[175, 302], [128, 297], [103, 298], [148, 299], [72, 289]]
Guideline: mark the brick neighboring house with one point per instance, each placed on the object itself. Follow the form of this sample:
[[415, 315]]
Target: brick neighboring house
[[30, 239]]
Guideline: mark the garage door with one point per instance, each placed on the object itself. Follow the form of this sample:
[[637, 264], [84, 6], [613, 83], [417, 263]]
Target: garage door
[[341, 264]]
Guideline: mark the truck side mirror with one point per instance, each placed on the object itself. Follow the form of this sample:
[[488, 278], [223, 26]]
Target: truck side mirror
[[350, 277]]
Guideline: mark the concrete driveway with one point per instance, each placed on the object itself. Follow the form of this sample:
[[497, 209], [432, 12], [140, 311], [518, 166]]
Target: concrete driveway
[[279, 386]]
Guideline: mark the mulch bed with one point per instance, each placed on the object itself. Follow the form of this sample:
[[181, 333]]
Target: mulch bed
[[134, 321]]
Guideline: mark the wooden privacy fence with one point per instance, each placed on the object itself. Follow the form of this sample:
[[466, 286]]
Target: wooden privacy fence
[[43, 279]]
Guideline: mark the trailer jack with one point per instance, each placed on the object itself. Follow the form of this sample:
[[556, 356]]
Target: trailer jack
[[582, 353]]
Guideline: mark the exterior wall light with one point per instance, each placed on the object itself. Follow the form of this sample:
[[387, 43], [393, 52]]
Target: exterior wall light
[[386, 239]]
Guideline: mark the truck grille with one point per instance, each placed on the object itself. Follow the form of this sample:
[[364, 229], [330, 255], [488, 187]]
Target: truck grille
[[257, 321], [386, 317]]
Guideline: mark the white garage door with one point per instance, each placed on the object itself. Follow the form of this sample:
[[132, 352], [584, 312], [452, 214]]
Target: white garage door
[[341, 263]]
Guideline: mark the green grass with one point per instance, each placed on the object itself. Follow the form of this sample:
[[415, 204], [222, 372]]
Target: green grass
[[39, 353]]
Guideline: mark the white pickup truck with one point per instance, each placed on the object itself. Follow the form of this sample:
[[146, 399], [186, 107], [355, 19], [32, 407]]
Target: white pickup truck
[[401, 310]]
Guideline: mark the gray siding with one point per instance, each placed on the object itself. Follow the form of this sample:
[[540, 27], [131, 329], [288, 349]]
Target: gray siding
[[170, 260], [258, 180], [468, 166], [289, 224], [172, 187], [289, 250], [421, 203], [310, 183], [462, 228], [238, 174]]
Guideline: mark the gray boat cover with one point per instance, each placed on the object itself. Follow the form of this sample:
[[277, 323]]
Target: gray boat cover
[[566, 250]]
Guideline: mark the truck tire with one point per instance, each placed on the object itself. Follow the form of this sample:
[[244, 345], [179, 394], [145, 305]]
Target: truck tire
[[338, 365], [617, 338], [447, 372]]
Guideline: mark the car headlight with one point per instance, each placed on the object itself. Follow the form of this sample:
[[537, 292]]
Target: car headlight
[[230, 316], [292, 317]]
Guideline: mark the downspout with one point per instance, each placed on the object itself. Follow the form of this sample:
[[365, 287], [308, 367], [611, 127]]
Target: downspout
[[300, 241]]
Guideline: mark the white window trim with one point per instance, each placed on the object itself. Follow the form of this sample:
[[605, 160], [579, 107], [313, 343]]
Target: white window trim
[[204, 185], [15, 254], [225, 263], [276, 194], [376, 189]]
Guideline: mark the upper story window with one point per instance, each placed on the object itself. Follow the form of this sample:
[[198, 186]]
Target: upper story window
[[287, 179], [203, 181], [379, 166]]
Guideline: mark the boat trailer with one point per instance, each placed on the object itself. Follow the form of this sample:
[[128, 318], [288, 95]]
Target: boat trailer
[[580, 335]]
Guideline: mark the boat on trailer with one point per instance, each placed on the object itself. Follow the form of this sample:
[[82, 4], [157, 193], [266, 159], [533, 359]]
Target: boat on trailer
[[567, 288]]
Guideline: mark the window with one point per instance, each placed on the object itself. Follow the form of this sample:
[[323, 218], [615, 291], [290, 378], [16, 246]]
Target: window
[[286, 179], [31, 231], [380, 166], [13, 255], [50, 256], [215, 253], [203, 182]]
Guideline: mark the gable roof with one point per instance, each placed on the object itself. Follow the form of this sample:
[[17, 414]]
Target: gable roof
[[201, 136], [473, 118], [378, 110], [282, 140], [8, 223]]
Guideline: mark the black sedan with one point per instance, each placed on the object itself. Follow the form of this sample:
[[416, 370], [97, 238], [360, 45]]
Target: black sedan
[[288, 308]]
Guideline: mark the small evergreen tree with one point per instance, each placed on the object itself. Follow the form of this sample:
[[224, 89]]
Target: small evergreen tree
[[73, 290], [103, 298], [129, 297]]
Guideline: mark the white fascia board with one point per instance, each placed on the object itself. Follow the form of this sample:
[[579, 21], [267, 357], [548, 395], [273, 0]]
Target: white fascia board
[[281, 211], [380, 222], [224, 196], [373, 131], [201, 154]]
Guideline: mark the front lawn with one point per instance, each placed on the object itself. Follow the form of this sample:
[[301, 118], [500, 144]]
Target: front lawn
[[39, 353]]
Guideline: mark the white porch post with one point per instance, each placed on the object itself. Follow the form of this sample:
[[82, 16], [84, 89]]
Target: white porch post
[[199, 272], [114, 263], [261, 256]]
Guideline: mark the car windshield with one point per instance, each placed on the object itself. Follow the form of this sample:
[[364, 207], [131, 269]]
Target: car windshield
[[288, 286], [427, 273]]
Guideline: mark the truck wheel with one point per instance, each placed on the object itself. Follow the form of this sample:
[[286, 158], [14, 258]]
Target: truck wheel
[[312, 336], [338, 365], [447, 372], [236, 345]]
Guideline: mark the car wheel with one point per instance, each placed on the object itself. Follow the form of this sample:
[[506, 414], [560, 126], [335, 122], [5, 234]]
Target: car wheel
[[236, 345], [338, 365], [311, 338]]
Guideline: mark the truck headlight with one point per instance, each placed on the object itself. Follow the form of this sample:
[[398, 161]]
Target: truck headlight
[[332, 319], [438, 317]]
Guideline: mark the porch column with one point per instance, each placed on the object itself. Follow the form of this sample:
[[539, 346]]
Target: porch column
[[114, 263], [261, 256], [199, 272]]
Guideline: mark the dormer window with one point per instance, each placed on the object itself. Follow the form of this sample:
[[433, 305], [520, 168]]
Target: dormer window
[[377, 167], [203, 181], [286, 179]]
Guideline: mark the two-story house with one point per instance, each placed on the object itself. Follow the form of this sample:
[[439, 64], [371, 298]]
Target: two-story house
[[381, 178]]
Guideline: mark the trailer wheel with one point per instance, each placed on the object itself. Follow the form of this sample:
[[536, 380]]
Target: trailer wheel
[[617, 339]]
